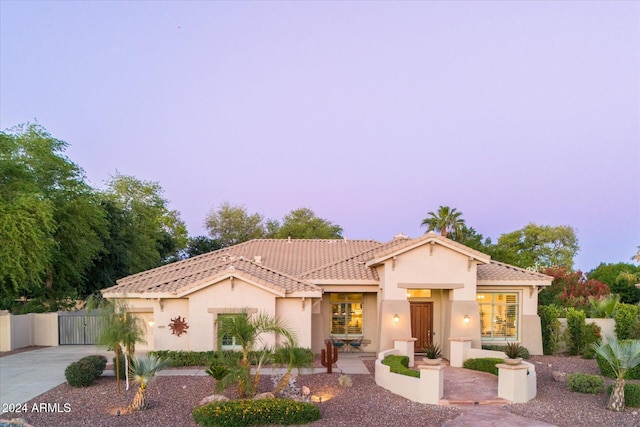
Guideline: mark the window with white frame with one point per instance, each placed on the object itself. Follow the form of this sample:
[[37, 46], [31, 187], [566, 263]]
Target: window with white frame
[[498, 315], [346, 314], [226, 341]]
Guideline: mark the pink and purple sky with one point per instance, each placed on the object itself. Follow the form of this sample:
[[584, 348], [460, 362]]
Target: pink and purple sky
[[370, 113]]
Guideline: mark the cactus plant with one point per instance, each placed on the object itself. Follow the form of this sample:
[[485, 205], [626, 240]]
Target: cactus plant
[[327, 358]]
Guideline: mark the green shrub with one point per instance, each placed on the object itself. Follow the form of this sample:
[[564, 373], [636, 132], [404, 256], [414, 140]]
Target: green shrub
[[606, 371], [234, 413], [626, 319], [549, 315], [524, 352], [585, 383], [576, 328], [97, 362], [631, 394], [197, 358], [592, 335], [400, 365], [80, 374], [484, 364]]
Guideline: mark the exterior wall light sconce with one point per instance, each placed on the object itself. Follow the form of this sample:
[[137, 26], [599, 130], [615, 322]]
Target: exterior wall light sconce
[[396, 319], [151, 323], [467, 319]]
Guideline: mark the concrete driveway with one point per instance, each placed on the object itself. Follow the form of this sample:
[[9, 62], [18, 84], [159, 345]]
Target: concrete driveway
[[26, 375]]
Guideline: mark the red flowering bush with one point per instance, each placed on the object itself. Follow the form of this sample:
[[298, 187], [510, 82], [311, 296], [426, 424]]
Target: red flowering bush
[[571, 288]]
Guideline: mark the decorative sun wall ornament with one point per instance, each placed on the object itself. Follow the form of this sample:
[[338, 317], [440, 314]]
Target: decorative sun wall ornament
[[178, 326]]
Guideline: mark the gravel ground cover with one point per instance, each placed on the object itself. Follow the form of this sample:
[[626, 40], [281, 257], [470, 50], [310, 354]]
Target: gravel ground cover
[[172, 398], [555, 404]]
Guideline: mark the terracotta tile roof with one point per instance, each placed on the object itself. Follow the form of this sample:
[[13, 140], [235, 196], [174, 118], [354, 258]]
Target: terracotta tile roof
[[291, 265], [353, 268], [498, 271], [207, 269]]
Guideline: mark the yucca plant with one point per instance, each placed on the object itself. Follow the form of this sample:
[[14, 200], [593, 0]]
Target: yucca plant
[[621, 356], [143, 371]]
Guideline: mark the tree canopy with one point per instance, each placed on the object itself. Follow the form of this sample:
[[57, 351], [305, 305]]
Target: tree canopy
[[304, 224], [52, 223], [537, 246], [231, 225], [621, 278]]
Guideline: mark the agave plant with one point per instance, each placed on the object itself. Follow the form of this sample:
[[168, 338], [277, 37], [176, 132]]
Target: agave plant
[[621, 356], [143, 371], [432, 351], [513, 350]]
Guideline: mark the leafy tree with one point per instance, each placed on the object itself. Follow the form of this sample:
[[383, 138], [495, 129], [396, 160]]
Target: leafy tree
[[201, 245], [231, 225], [621, 356], [538, 246], [155, 233], [304, 224], [468, 236], [446, 220], [52, 221], [571, 289], [621, 278]]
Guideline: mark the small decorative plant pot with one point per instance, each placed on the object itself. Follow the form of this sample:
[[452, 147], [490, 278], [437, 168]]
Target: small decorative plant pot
[[514, 362], [431, 362]]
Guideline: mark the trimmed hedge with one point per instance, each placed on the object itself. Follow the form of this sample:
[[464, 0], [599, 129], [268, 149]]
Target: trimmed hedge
[[631, 394], [524, 352], [85, 371], [484, 364], [200, 358], [239, 413], [400, 365], [585, 383]]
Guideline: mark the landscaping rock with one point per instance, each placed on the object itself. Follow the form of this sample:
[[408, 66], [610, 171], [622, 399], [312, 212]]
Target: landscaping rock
[[213, 398], [560, 377]]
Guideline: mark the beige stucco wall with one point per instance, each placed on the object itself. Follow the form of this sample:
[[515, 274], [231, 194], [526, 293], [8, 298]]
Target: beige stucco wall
[[45, 329], [5, 331], [429, 267], [296, 316], [28, 329]]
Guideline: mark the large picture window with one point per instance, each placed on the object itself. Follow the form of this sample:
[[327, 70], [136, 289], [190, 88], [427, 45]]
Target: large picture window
[[498, 316], [346, 314]]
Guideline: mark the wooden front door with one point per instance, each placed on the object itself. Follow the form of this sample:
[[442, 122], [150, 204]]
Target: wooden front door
[[421, 324]]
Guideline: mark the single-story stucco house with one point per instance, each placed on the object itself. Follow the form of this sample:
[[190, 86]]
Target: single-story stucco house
[[430, 288]]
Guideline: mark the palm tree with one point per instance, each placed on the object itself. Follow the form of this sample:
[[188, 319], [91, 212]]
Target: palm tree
[[120, 328], [293, 357], [246, 331], [445, 220], [621, 356], [143, 371]]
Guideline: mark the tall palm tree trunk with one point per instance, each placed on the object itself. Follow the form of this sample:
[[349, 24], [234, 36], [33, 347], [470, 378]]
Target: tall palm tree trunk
[[616, 400]]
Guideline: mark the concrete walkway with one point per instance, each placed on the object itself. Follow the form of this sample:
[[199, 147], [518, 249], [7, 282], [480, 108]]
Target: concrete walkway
[[25, 375]]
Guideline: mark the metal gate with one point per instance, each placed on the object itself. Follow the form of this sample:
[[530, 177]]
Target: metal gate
[[79, 327]]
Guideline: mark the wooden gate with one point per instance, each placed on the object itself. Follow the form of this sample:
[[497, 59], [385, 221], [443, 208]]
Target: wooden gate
[[79, 328], [421, 324]]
